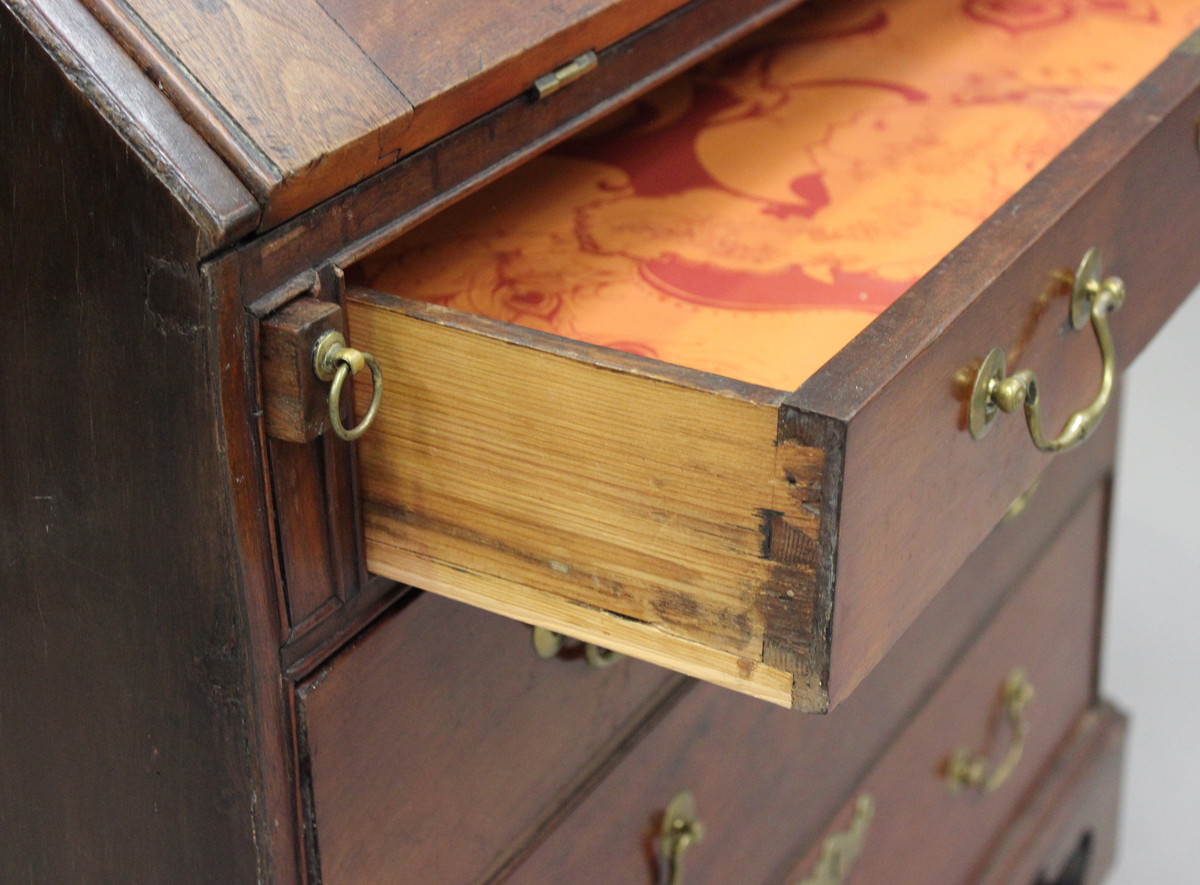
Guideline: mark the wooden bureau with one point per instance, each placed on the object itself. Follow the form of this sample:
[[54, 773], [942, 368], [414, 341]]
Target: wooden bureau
[[691, 541]]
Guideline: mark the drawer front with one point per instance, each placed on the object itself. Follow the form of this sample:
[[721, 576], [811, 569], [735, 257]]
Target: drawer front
[[1066, 831], [765, 782], [441, 741], [926, 832], [771, 542]]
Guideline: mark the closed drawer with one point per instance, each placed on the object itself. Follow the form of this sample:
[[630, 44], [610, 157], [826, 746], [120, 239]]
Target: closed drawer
[[440, 742], [773, 540], [765, 782], [439, 747], [1066, 832], [923, 829]]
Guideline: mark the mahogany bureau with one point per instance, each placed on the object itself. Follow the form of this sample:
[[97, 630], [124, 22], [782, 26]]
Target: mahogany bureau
[[598, 441]]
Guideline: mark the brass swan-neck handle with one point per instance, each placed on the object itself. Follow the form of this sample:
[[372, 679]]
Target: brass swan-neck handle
[[995, 391]]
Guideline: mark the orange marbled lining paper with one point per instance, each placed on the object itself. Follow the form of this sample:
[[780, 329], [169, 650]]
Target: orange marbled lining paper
[[750, 217]]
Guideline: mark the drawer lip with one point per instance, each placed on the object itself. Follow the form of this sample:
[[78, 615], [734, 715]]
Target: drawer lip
[[903, 494]]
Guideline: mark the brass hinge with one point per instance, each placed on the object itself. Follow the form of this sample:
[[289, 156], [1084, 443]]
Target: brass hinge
[[568, 73]]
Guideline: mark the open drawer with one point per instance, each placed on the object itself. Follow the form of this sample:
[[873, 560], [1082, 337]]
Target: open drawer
[[770, 513]]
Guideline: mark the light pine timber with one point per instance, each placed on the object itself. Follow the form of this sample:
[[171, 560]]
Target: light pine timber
[[618, 508]]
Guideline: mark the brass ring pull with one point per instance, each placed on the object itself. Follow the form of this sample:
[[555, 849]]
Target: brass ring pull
[[969, 771], [681, 829], [1090, 298], [841, 849], [547, 644], [334, 361]]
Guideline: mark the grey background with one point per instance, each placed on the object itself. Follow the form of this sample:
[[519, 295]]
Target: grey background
[[1151, 657]]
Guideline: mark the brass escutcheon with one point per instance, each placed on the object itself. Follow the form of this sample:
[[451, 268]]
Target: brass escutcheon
[[841, 849], [681, 829], [334, 361], [547, 644], [993, 392], [967, 770]]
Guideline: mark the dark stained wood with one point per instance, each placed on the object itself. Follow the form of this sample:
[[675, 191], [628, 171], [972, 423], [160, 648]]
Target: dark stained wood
[[127, 710], [221, 208], [295, 399], [285, 92], [456, 67], [318, 529], [1077, 801], [918, 493], [767, 781], [440, 742], [233, 338], [292, 95], [300, 512], [420, 184], [922, 833], [311, 646]]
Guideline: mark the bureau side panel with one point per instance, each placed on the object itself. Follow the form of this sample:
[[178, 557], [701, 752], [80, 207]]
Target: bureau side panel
[[125, 749]]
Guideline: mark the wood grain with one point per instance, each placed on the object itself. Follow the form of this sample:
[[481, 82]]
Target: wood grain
[[627, 511], [420, 184], [912, 494], [222, 208], [453, 68], [767, 782], [304, 554], [302, 113], [295, 399], [128, 748], [918, 492], [232, 338], [441, 741]]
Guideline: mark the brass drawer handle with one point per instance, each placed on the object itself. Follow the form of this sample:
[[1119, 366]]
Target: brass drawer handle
[[970, 771], [334, 361], [547, 644], [681, 829], [1090, 297], [841, 849]]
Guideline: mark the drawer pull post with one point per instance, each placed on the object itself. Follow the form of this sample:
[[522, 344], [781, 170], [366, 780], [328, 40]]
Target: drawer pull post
[[547, 644], [969, 771], [334, 361], [841, 849], [993, 391], [681, 829]]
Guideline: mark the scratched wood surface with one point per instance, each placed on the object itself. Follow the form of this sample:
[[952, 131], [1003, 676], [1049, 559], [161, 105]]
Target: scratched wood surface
[[301, 112], [304, 99], [454, 66], [133, 747], [626, 510]]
